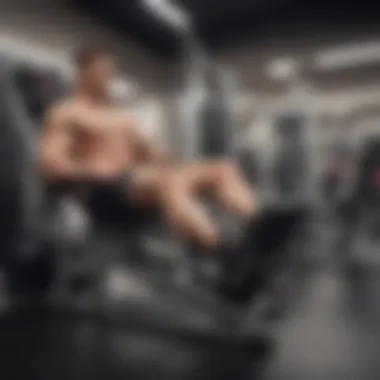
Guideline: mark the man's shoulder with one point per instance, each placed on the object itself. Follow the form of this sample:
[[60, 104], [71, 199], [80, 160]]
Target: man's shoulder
[[60, 107], [65, 108], [60, 113]]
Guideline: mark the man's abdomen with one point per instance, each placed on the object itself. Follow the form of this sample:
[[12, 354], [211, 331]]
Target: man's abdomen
[[108, 156]]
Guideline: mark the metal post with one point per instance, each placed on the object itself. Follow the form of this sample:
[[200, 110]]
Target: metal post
[[191, 94]]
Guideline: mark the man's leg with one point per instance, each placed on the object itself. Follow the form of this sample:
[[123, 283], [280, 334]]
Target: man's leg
[[170, 190], [175, 190], [223, 179], [186, 214]]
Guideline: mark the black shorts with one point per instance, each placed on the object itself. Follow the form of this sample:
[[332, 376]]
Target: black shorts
[[112, 201]]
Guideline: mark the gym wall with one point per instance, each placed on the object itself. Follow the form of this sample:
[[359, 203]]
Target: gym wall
[[333, 90]]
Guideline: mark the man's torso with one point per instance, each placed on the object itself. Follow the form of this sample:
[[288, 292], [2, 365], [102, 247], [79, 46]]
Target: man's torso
[[108, 149]]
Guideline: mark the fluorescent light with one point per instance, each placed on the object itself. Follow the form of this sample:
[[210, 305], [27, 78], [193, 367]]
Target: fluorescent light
[[169, 13], [282, 69], [349, 56]]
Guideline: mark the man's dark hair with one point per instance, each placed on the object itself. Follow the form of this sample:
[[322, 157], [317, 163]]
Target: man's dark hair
[[86, 54]]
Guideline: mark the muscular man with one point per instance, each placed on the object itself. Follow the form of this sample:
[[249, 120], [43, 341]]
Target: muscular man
[[86, 140]]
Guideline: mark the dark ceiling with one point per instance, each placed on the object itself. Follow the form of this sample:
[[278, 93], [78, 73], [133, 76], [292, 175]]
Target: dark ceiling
[[221, 23]]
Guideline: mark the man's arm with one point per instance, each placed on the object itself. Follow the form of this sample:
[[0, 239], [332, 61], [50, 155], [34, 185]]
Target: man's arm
[[147, 150], [96, 119]]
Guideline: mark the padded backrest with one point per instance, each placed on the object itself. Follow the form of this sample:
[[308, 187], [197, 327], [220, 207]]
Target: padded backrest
[[16, 147], [38, 89], [21, 194], [11, 162]]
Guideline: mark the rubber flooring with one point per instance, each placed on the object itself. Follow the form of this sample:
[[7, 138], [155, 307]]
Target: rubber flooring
[[332, 332]]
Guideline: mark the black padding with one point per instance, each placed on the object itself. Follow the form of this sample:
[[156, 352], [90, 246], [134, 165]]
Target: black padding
[[249, 269], [39, 89], [14, 157], [21, 191], [31, 275]]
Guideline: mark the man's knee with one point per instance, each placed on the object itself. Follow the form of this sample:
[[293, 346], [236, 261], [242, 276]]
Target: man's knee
[[226, 169], [200, 176], [170, 186]]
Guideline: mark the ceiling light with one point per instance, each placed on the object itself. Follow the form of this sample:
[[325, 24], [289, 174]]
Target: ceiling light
[[349, 56], [282, 69], [169, 13]]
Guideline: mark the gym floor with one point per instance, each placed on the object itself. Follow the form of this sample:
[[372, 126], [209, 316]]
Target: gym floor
[[331, 333], [334, 332]]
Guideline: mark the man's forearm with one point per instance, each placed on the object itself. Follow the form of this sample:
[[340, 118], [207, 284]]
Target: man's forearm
[[67, 170], [149, 151]]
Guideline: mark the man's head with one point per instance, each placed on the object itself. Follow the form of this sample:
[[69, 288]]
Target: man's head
[[94, 69]]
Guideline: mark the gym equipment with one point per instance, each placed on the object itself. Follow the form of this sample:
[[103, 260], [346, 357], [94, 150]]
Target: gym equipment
[[293, 180], [256, 258], [20, 190], [338, 186], [118, 291], [291, 159], [248, 162], [291, 167], [368, 181], [216, 131], [361, 229], [289, 185], [207, 130]]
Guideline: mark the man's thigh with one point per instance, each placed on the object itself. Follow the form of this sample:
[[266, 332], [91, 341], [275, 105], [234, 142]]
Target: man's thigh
[[205, 175], [135, 188], [148, 184], [144, 185], [107, 201]]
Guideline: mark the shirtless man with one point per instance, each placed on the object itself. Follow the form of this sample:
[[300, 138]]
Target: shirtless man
[[85, 140]]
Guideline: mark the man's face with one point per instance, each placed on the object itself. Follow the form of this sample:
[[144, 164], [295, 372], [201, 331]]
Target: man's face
[[98, 75]]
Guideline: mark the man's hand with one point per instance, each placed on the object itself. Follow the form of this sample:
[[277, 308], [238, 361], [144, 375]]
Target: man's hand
[[104, 171], [146, 149]]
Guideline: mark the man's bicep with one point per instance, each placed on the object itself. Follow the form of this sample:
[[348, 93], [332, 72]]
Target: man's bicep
[[146, 147], [142, 143], [57, 136]]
